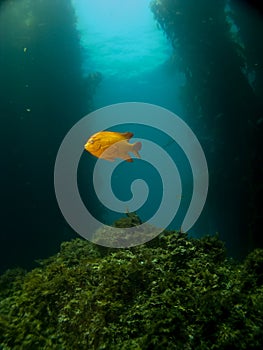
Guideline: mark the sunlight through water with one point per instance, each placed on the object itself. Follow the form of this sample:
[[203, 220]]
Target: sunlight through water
[[119, 37]]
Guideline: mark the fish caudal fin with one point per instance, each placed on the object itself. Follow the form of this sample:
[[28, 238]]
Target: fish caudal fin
[[136, 148]]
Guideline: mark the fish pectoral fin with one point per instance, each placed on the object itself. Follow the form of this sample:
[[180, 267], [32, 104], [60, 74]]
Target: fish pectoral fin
[[110, 151]]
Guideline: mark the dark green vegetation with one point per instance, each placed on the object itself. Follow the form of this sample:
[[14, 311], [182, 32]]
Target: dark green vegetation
[[43, 94], [219, 50], [171, 293]]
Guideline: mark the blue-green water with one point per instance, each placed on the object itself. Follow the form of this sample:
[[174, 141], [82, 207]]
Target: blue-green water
[[206, 71], [119, 38]]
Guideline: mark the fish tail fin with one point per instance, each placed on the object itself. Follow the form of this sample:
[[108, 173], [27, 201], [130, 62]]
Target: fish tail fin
[[136, 148]]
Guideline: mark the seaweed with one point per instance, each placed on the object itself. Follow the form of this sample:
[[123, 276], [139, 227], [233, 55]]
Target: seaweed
[[218, 48], [174, 292]]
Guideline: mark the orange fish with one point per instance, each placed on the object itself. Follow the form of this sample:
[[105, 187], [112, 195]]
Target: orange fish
[[110, 145]]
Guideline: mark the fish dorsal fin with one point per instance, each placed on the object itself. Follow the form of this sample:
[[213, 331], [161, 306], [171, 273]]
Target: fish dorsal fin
[[127, 135]]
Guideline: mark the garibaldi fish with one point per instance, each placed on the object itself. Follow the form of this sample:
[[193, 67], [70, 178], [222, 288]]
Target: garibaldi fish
[[110, 145]]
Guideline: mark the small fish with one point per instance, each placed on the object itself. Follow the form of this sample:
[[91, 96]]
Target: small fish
[[110, 145]]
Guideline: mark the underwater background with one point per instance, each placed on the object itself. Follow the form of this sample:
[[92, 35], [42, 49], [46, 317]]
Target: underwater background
[[61, 60], [203, 61]]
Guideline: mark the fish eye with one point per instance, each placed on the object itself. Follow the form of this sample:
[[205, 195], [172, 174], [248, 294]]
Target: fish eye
[[91, 141]]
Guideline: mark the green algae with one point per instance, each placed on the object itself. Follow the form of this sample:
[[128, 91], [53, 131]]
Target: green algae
[[171, 293]]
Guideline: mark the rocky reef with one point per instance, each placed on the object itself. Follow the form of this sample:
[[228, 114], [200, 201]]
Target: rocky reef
[[174, 292]]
